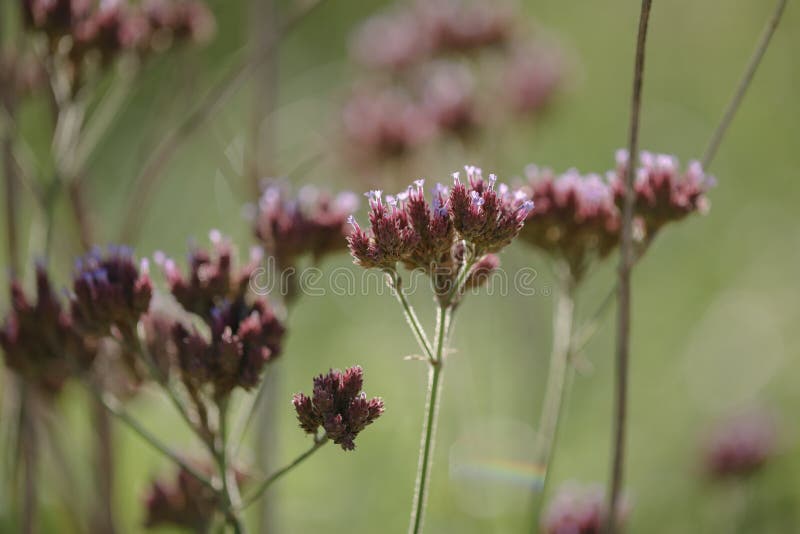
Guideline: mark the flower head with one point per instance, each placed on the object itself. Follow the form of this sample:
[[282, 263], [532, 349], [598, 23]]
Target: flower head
[[458, 26], [663, 193], [110, 290], [312, 223], [578, 509], [391, 40], [740, 446], [244, 338], [213, 276], [338, 405], [39, 341], [574, 218]]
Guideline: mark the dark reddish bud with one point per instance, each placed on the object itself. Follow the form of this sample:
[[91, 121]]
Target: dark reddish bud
[[39, 341], [338, 406], [579, 509], [184, 501], [110, 291], [482, 271], [740, 446]]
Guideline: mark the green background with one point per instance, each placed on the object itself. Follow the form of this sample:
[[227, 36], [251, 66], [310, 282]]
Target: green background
[[714, 305]]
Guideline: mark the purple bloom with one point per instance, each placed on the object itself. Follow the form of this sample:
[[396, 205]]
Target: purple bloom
[[577, 509], [740, 446], [338, 405]]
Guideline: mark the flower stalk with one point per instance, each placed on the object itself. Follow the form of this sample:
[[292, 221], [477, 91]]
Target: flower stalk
[[624, 281]]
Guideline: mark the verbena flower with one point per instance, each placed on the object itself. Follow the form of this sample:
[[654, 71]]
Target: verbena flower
[[389, 40], [458, 26], [531, 77], [338, 405], [449, 97], [574, 218], [578, 509], [184, 501], [110, 291], [741, 446], [213, 276], [663, 193], [244, 334], [39, 340], [312, 223]]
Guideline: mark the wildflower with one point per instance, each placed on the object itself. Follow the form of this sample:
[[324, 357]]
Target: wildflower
[[184, 502], [449, 97], [244, 338], [39, 340], [740, 446], [391, 40], [110, 291], [663, 193], [574, 218], [458, 26], [381, 124], [578, 509], [531, 76], [213, 276], [338, 405], [312, 224], [485, 216]]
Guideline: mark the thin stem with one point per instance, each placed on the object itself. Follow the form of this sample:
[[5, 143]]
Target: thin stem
[[555, 388], [115, 408], [411, 316], [259, 491], [624, 283], [11, 175], [162, 154], [230, 489], [744, 84], [429, 426], [29, 445]]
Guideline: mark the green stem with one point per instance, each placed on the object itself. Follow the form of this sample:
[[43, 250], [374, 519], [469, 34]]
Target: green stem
[[113, 406], [318, 443], [230, 489], [411, 316], [556, 389], [429, 426]]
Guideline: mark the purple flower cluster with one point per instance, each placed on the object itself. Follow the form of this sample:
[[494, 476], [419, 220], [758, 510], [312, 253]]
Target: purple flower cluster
[[578, 509], [663, 193], [212, 277], [421, 82], [110, 292], [39, 339], [574, 217], [423, 234], [111, 28], [183, 502], [338, 405], [244, 336], [740, 446], [312, 224]]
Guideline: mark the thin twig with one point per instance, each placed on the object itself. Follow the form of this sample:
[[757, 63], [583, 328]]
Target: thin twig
[[744, 84], [259, 491], [410, 315], [153, 167], [624, 284]]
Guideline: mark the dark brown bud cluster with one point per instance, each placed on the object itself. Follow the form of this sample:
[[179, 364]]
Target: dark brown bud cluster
[[212, 277], [183, 502], [110, 292], [110, 28], [574, 217], [579, 509], [40, 341], [311, 224], [664, 194], [243, 335], [422, 83], [338, 405], [740, 446]]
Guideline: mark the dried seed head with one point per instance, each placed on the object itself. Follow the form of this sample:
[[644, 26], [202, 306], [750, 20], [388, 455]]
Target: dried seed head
[[338, 405]]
